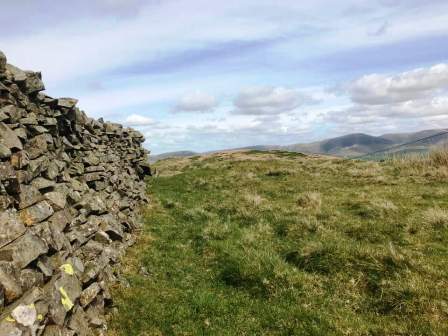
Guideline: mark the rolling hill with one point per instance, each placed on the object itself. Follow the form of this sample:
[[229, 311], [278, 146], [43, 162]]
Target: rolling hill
[[349, 145], [282, 243]]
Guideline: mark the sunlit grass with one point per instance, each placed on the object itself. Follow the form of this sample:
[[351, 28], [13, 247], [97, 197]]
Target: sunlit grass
[[276, 244]]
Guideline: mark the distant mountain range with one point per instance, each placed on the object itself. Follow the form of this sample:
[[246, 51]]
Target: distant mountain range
[[350, 145], [155, 158]]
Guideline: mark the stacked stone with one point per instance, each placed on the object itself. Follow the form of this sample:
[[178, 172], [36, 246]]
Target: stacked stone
[[69, 190]]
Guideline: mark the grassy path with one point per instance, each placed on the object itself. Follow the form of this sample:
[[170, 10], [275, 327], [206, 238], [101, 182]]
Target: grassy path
[[280, 244]]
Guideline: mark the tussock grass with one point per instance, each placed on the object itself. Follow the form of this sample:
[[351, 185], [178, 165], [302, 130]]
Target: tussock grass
[[437, 158], [255, 243], [310, 200], [436, 218]]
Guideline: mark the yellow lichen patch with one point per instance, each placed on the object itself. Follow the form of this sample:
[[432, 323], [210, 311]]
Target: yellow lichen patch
[[65, 300], [25, 217], [9, 319], [67, 268]]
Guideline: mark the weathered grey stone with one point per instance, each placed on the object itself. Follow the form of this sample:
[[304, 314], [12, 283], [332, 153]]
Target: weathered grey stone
[[56, 199], [10, 182], [36, 213], [93, 176], [89, 294], [67, 102], [60, 220], [13, 112], [91, 159], [24, 250], [30, 278], [30, 119], [52, 170], [45, 266], [8, 328], [8, 138], [53, 330], [21, 133], [69, 289], [34, 82], [37, 146], [2, 62], [76, 182], [5, 152], [11, 227], [102, 237], [11, 286], [20, 159], [42, 183], [28, 196], [18, 75], [78, 322], [6, 201], [37, 166], [95, 205], [25, 315]]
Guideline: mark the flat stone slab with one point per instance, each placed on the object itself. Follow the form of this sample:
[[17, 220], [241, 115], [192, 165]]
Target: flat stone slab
[[11, 227]]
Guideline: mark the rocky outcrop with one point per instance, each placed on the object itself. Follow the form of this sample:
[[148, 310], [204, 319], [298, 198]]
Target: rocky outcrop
[[69, 190]]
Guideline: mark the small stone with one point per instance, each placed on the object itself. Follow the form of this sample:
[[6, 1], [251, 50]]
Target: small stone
[[26, 249], [18, 75], [37, 146], [12, 290], [42, 183], [34, 82], [20, 159], [9, 329], [89, 294], [11, 227], [25, 315], [30, 278], [91, 159], [8, 138], [3, 61], [67, 102], [37, 213], [28, 196], [5, 152], [54, 330], [78, 322], [57, 200]]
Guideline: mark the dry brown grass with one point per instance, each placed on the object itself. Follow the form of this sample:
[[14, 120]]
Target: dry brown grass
[[253, 199], [310, 200], [436, 158], [436, 218]]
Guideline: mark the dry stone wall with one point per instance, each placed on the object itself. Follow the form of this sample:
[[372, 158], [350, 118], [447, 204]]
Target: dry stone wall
[[69, 190]]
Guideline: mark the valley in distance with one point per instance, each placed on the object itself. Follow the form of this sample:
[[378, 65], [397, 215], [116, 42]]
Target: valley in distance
[[350, 145]]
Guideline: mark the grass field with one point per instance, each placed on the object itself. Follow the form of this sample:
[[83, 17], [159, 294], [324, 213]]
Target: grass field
[[256, 243]]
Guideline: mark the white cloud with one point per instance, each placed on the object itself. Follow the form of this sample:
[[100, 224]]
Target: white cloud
[[196, 102], [376, 89], [269, 100], [408, 100], [146, 70], [138, 120]]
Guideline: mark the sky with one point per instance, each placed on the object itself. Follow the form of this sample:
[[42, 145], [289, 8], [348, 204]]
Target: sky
[[205, 75]]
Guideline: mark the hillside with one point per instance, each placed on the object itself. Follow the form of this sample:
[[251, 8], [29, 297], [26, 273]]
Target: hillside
[[279, 243], [179, 154], [349, 145]]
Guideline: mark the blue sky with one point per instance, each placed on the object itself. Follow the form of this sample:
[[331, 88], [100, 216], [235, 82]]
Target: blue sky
[[207, 75]]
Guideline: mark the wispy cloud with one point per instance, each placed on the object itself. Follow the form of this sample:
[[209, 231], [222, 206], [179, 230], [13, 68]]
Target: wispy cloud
[[269, 100], [196, 101], [263, 67]]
